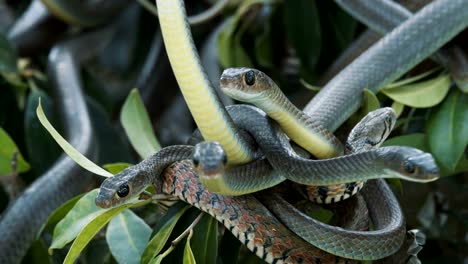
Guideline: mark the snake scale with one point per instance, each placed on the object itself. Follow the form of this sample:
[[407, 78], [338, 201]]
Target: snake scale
[[65, 179], [449, 18]]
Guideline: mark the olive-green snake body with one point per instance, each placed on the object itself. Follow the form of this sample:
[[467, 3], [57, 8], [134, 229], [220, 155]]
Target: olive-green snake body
[[337, 99], [210, 158]]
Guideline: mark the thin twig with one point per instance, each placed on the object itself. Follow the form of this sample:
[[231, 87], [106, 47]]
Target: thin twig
[[187, 231]]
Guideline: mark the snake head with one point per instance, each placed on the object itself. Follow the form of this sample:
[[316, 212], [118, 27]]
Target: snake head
[[121, 187], [209, 159], [372, 130], [410, 164], [245, 84]]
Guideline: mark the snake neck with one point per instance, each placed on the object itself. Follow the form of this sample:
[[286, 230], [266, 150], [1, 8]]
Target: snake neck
[[298, 126], [155, 164]]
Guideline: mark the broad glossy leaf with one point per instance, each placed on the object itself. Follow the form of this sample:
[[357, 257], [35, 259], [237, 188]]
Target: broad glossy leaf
[[7, 151], [90, 230], [37, 253], [302, 25], [263, 48], [231, 52], [205, 240], [158, 241], [370, 101], [422, 94], [416, 140], [115, 168], [74, 154], [8, 56], [60, 213], [137, 125], [398, 107], [411, 79], [82, 213], [127, 235], [447, 130], [188, 254], [157, 260]]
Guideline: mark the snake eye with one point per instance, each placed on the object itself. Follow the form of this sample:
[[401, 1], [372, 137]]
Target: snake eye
[[123, 190], [249, 78], [409, 167], [195, 161], [224, 159]]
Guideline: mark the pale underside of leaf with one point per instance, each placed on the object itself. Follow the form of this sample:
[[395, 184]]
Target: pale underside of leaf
[[74, 154]]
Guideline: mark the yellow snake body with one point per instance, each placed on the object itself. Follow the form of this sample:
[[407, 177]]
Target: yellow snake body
[[206, 109], [298, 127]]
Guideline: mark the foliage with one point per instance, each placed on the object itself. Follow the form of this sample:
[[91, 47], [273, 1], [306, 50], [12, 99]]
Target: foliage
[[292, 41]]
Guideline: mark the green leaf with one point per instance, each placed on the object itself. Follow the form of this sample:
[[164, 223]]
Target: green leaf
[[422, 94], [188, 254], [8, 56], [302, 25], [60, 213], [263, 48], [205, 240], [416, 140], [309, 86], [90, 230], [137, 125], [158, 241], [7, 151], [411, 79], [115, 168], [157, 260], [67, 148], [127, 235], [231, 52], [447, 130], [37, 253], [398, 107], [369, 102], [82, 213]]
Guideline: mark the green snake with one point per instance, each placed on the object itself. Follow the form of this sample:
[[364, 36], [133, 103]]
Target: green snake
[[447, 19], [255, 87], [210, 158], [170, 32]]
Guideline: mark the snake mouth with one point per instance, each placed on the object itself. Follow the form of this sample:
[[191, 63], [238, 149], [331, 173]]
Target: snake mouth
[[102, 201], [210, 173]]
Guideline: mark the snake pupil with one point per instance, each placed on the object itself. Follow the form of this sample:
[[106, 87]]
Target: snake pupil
[[224, 159], [249, 78], [195, 161], [123, 190], [409, 167]]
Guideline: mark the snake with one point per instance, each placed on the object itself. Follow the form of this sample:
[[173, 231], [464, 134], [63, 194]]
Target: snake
[[206, 108], [387, 60], [65, 179], [384, 15], [210, 159], [410, 25], [255, 87], [450, 18]]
